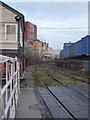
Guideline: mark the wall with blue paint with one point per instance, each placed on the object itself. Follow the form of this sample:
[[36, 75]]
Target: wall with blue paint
[[25, 44]]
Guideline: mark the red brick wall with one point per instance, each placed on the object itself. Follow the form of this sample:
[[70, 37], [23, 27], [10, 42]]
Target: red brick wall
[[28, 32]]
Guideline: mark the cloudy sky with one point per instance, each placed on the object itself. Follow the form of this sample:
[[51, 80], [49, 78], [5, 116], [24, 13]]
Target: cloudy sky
[[57, 22]]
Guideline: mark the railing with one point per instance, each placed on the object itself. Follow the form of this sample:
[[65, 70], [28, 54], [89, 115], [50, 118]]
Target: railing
[[9, 92]]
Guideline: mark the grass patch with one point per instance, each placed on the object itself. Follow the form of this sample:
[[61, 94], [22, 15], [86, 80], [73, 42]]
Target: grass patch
[[46, 79], [72, 83], [32, 69], [36, 81]]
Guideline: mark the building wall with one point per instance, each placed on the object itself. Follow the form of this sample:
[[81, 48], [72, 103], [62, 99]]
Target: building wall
[[30, 31], [8, 17], [41, 47], [26, 35], [31, 38], [10, 48], [10, 45]]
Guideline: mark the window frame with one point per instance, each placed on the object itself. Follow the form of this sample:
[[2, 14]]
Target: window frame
[[6, 32]]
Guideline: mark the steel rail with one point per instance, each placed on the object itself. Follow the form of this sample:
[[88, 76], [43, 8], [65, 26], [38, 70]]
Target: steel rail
[[71, 76], [71, 116], [68, 86]]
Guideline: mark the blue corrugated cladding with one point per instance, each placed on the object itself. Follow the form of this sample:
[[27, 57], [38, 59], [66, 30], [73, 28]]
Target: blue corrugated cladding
[[66, 52], [77, 48], [84, 45], [88, 44], [81, 47]]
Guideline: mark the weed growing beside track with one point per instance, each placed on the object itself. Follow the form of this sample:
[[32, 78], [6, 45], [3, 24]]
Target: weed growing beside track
[[42, 75], [46, 79], [43, 71]]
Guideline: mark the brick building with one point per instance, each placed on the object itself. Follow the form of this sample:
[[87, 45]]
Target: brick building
[[30, 34], [31, 41]]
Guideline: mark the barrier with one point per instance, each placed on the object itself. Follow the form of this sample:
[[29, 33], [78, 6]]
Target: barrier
[[10, 91]]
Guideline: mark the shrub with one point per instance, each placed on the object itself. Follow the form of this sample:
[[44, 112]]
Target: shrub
[[32, 57]]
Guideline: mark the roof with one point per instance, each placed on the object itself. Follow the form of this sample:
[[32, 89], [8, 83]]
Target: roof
[[30, 23], [14, 11]]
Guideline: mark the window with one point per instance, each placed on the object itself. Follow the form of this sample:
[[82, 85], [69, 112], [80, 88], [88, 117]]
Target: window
[[31, 27], [31, 36], [11, 32]]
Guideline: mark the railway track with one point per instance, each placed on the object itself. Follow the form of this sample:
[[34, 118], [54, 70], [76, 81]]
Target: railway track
[[71, 76], [75, 77], [59, 81], [72, 114], [60, 104], [54, 78]]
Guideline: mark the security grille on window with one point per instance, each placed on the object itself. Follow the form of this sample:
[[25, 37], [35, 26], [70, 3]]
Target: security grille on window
[[11, 32]]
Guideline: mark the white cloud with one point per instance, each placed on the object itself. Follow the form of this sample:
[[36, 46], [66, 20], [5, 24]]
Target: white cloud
[[59, 15]]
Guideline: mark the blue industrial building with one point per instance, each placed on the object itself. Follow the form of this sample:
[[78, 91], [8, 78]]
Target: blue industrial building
[[79, 50]]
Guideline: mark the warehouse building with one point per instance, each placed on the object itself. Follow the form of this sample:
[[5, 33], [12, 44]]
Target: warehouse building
[[78, 51]]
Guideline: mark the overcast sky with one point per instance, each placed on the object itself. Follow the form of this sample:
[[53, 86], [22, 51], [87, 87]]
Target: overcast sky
[[58, 22]]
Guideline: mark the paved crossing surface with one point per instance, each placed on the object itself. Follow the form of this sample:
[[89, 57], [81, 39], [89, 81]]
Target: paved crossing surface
[[74, 102]]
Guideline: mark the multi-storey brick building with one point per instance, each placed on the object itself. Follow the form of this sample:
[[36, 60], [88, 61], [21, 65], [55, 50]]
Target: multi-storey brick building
[[31, 41], [30, 34]]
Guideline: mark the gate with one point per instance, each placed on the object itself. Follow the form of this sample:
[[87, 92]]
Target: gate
[[10, 90]]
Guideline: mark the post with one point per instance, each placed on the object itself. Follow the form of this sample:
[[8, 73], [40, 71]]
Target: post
[[11, 87], [18, 75], [6, 82], [16, 81], [13, 81]]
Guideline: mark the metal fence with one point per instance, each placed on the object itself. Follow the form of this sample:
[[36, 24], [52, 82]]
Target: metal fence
[[11, 88]]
